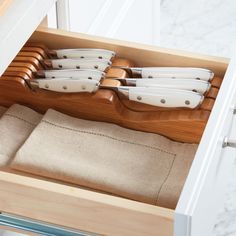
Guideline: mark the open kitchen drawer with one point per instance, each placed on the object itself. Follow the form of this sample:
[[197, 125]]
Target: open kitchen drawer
[[60, 209]]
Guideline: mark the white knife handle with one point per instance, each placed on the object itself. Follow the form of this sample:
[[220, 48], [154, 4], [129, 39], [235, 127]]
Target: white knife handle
[[68, 85], [97, 64], [166, 97], [85, 53], [177, 72], [74, 74], [199, 86]]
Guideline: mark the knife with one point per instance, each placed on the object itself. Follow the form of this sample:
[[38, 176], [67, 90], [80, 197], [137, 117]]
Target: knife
[[190, 84], [195, 85], [170, 72], [162, 97], [71, 73], [98, 64], [66, 85], [83, 53]]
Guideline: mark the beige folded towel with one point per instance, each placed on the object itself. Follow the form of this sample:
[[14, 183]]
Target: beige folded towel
[[2, 110], [140, 166], [15, 126]]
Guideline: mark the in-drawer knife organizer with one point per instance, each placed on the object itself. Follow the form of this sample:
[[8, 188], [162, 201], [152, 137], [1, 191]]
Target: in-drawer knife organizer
[[42, 205], [98, 91]]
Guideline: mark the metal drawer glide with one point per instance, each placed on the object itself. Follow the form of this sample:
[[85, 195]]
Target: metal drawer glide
[[37, 227]]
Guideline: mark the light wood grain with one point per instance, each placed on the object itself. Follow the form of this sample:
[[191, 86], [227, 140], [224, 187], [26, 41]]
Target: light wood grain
[[140, 54], [105, 105], [81, 209], [4, 5]]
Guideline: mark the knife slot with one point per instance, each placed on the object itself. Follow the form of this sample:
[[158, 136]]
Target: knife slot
[[116, 73], [207, 104], [121, 62], [14, 74], [216, 82], [212, 93], [24, 70], [35, 50], [24, 65], [31, 60], [31, 54]]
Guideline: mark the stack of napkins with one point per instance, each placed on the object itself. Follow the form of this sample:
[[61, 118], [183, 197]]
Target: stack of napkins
[[105, 157], [16, 124]]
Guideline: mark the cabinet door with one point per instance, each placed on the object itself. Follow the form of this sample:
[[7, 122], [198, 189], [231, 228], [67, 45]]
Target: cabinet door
[[131, 20], [18, 20], [203, 193]]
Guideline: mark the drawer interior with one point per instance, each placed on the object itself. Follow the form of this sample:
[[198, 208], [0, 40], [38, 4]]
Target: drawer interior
[[66, 204]]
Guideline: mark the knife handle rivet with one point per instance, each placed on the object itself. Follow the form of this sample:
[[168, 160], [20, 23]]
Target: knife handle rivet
[[96, 67], [64, 56], [150, 77], [187, 102], [60, 66], [64, 87], [90, 78], [46, 86], [82, 57], [83, 87], [99, 57], [139, 98], [163, 101], [77, 67]]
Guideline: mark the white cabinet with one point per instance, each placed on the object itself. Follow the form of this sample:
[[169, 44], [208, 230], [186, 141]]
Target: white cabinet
[[131, 20]]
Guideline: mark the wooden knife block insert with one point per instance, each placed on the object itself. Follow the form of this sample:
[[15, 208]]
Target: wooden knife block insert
[[182, 125]]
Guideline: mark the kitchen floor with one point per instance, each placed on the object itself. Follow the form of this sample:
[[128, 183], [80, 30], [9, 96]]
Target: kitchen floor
[[209, 27]]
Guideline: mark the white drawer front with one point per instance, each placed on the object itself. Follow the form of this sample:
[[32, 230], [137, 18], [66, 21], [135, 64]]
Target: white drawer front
[[18, 20], [203, 193]]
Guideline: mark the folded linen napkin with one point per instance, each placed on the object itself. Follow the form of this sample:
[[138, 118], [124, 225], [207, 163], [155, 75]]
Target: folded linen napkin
[[16, 124], [136, 165], [2, 110]]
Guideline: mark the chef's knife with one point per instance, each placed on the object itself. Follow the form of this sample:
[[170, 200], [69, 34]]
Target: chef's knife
[[171, 72], [162, 97]]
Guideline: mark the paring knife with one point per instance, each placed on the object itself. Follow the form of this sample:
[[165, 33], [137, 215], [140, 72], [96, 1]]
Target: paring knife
[[83, 53], [171, 72], [71, 74], [98, 64], [162, 97]]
